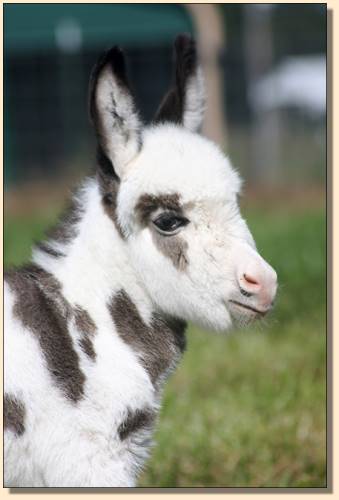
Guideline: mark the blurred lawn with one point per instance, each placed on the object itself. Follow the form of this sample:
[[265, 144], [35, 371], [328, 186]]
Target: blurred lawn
[[245, 409]]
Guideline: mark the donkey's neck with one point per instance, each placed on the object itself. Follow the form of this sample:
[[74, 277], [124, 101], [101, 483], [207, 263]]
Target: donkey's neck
[[88, 254]]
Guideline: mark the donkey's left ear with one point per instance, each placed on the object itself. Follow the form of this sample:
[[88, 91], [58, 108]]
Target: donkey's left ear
[[185, 102], [113, 113]]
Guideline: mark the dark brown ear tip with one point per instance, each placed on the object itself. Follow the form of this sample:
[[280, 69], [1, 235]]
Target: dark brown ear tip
[[186, 57], [117, 60], [114, 57], [184, 42], [114, 54], [108, 56]]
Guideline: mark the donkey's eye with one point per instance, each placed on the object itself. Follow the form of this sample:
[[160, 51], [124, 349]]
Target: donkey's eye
[[169, 224]]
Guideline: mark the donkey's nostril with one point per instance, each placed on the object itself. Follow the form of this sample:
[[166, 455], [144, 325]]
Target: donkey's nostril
[[250, 280]]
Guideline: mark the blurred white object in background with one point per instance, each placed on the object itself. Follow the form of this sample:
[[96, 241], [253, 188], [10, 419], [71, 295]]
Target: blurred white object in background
[[298, 81], [68, 35]]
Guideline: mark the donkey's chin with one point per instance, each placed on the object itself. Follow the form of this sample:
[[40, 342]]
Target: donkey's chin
[[216, 319], [244, 314]]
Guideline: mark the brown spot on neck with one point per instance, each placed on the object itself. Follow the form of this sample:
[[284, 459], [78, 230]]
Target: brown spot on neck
[[87, 329], [47, 248], [66, 229], [135, 421], [14, 414], [41, 307], [159, 343]]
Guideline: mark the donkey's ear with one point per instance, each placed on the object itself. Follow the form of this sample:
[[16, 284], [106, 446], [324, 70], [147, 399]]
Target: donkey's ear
[[185, 102], [113, 113]]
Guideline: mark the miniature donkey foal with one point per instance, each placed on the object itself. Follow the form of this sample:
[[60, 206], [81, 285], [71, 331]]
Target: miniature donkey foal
[[95, 324]]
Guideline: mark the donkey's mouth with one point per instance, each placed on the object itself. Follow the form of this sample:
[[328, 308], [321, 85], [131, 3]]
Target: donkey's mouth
[[249, 308]]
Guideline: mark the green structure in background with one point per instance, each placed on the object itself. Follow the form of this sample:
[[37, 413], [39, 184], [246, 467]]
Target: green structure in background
[[32, 26], [49, 50]]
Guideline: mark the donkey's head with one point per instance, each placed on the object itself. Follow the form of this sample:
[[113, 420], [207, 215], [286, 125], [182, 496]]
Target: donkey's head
[[173, 197]]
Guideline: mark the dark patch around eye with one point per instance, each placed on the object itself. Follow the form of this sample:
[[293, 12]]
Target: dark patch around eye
[[147, 204], [175, 248]]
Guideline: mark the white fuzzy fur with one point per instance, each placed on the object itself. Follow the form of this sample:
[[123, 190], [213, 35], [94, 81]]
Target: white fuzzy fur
[[119, 119], [66, 444], [195, 101]]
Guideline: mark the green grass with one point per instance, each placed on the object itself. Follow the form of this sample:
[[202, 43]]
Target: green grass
[[245, 409]]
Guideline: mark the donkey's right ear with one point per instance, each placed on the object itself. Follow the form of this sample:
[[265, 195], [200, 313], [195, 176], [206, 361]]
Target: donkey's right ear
[[112, 111]]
